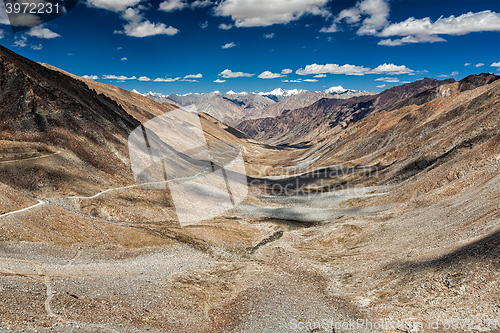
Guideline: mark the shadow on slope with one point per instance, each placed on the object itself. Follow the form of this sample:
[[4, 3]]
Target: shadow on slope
[[487, 249]]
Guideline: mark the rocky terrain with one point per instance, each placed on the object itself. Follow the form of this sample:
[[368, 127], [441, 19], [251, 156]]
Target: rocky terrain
[[233, 108], [392, 217], [308, 123]]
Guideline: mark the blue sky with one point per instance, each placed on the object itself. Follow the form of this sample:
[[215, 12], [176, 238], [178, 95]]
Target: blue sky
[[177, 46]]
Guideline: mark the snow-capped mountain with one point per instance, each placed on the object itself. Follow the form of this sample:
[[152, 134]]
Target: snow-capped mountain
[[340, 92], [234, 107], [336, 90], [230, 92], [279, 94]]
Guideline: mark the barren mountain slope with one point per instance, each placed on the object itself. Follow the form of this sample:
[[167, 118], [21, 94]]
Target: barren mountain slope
[[64, 149], [445, 90], [223, 110], [60, 118], [308, 124], [430, 175], [300, 100], [138, 106], [83, 249], [395, 217]]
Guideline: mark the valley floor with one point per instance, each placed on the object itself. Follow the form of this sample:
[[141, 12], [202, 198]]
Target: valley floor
[[273, 264], [393, 220]]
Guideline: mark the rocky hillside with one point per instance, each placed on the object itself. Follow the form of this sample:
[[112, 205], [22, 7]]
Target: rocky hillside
[[421, 183], [307, 124], [52, 113], [445, 90], [233, 108], [387, 213], [62, 135]]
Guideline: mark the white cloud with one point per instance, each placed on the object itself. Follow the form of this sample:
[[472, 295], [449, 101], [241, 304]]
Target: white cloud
[[332, 69], [286, 71], [219, 81], [479, 65], [21, 41], [495, 64], [113, 5], [228, 45], [229, 74], [412, 40], [452, 74], [204, 25], [381, 86], [467, 64], [201, 3], [461, 25], [160, 79], [292, 81], [388, 79], [315, 69], [2, 34], [133, 15], [347, 69], [124, 59], [147, 28], [310, 80], [320, 75], [259, 13], [144, 78], [172, 5], [270, 75], [120, 78], [91, 77], [269, 36], [138, 26], [224, 26], [42, 33], [194, 76], [374, 12], [332, 28], [391, 69], [37, 47]]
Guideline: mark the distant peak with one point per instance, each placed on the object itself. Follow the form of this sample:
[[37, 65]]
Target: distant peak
[[230, 92], [281, 92], [150, 93], [335, 90], [278, 91]]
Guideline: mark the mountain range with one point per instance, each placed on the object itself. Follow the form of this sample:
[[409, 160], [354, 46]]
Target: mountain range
[[310, 123], [233, 108], [365, 208]]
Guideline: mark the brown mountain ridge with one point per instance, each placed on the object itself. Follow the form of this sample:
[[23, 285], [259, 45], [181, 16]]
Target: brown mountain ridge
[[307, 124], [389, 211]]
